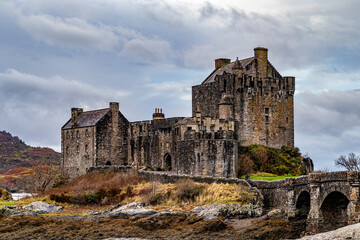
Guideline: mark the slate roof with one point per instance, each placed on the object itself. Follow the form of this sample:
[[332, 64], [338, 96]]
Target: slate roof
[[87, 119], [227, 68], [186, 121]]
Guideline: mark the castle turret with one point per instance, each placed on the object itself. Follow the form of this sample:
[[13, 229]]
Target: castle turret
[[261, 56], [74, 116], [226, 107], [158, 114]]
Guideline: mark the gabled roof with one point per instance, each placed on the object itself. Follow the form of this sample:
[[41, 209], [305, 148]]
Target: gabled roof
[[187, 121], [227, 68], [88, 119]]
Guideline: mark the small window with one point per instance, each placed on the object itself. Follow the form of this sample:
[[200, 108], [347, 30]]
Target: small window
[[77, 148], [67, 150], [266, 119], [220, 128], [267, 111], [87, 132], [204, 128], [212, 127], [189, 128], [167, 145], [86, 148], [77, 134], [287, 120], [67, 135]]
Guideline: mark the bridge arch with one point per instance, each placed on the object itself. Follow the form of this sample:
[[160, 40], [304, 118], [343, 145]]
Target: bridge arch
[[303, 204], [333, 210]]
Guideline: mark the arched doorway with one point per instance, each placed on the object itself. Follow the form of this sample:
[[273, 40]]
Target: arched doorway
[[303, 205], [333, 211], [108, 163], [167, 162]]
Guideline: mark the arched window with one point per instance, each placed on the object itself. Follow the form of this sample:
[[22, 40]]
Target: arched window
[[67, 150]]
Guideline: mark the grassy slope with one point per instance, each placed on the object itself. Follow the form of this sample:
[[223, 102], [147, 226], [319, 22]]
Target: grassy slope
[[17, 158]]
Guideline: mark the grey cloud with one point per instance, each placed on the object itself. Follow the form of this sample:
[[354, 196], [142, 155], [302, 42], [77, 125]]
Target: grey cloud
[[327, 124], [37, 106], [69, 32]]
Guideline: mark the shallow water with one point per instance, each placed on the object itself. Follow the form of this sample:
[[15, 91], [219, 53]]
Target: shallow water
[[17, 196]]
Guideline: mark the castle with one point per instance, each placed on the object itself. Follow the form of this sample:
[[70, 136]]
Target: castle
[[240, 103]]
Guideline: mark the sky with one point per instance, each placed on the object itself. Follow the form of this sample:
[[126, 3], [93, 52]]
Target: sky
[[60, 54]]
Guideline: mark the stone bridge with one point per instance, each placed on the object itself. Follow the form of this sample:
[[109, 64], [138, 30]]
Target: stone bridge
[[327, 200]]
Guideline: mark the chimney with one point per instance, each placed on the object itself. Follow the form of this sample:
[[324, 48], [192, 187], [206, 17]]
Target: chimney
[[221, 62], [74, 116], [158, 114], [115, 134], [261, 56]]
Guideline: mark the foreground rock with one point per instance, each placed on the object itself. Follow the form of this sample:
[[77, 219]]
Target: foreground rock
[[42, 207], [348, 232], [5, 195], [229, 210], [136, 209]]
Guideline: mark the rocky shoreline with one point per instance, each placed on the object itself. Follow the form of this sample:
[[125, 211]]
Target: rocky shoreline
[[136, 220]]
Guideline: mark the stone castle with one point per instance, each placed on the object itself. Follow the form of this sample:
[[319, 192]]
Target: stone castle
[[240, 103]]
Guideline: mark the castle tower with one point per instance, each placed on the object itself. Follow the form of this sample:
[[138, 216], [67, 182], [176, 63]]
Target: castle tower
[[158, 114]]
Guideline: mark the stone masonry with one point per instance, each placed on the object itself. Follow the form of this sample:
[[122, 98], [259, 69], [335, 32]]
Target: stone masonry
[[240, 103]]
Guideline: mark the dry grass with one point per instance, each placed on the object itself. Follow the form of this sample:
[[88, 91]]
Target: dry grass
[[115, 188]]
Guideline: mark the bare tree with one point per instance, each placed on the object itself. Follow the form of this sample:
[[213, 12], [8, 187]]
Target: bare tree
[[351, 162], [41, 178]]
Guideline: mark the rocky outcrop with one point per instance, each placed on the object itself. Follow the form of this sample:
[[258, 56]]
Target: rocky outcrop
[[42, 207], [136, 209], [348, 232], [229, 210]]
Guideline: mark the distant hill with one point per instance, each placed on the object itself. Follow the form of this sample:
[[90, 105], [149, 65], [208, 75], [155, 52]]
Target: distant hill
[[14, 153]]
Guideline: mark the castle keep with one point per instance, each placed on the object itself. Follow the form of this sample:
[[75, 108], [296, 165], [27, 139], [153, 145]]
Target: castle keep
[[240, 103]]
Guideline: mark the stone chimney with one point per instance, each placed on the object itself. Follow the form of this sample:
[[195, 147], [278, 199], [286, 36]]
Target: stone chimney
[[261, 56], [221, 62], [74, 116], [158, 114], [115, 134]]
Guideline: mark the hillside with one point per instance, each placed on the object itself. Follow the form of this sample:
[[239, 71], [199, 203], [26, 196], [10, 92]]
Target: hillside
[[14, 153]]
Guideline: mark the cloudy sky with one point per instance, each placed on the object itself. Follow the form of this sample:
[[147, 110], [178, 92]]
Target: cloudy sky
[[145, 54]]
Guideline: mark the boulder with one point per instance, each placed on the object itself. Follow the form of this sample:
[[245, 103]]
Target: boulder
[[348, 232], [42, 207], [276, 213], [132, 210], [231, 210]]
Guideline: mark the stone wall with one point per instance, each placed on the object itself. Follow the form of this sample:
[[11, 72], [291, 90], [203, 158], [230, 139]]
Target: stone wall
[[78, 150]]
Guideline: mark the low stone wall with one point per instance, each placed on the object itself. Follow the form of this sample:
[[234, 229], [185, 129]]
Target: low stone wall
[[103, 169], [168, 177]]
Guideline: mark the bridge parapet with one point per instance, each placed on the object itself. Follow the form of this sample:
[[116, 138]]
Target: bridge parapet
[[328, 177]]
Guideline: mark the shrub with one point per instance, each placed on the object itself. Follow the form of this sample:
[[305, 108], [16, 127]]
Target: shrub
[[187, 190], [245, 165], [5, 195]]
